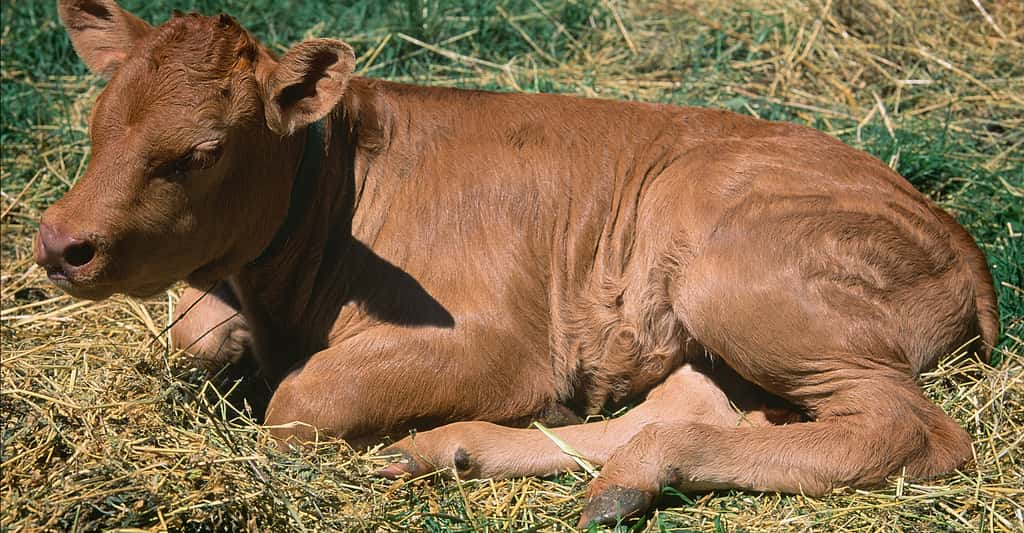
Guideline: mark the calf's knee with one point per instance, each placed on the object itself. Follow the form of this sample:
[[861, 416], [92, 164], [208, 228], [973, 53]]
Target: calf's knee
[[307, 408], [291, 418], [209, 328]]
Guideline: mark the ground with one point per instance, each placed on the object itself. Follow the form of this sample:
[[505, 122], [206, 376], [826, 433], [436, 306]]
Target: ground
[[105, 428]]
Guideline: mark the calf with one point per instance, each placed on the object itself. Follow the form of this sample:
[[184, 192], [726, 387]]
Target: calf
[[398, 257]]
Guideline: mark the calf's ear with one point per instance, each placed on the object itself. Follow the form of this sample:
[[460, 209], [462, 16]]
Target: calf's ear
[[307, 83], [101, 32]]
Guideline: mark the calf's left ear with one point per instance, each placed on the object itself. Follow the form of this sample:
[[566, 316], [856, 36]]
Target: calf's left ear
[[307, 83]]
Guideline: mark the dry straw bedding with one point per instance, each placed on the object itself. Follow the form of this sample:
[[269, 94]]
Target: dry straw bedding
[[105, 427]]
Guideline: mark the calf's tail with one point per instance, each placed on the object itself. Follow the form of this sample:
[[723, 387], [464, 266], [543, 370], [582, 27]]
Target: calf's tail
[[984, 287]]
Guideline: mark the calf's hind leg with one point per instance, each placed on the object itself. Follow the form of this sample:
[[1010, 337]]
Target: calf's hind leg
[[845, 365], [867, 432]]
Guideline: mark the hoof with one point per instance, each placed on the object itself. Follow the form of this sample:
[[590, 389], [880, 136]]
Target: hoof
[[405, 465], [613, 505]]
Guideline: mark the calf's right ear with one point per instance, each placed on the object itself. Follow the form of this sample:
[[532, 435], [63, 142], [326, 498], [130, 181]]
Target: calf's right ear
[[101, 32], [307, 83]]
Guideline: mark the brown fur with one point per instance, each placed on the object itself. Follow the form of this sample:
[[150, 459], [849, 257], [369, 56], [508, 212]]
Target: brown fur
[[495, 258]]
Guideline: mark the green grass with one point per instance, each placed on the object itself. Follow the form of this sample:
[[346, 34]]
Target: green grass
[[956, 133]]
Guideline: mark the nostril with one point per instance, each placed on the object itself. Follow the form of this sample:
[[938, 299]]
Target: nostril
[[79, 254]]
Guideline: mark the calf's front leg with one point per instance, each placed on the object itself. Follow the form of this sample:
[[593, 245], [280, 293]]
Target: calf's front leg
[[389, 379], [209, 327]]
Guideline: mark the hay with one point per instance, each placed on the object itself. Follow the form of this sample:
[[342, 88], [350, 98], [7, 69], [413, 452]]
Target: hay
[[105, 427]]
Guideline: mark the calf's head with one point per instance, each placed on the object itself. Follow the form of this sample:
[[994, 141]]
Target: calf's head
[[195, 142]]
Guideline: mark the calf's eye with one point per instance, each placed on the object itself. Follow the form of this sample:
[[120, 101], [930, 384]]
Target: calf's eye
[[202, 156]]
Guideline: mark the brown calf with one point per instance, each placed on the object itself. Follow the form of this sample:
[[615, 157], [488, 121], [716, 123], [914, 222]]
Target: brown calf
[[400, 257]]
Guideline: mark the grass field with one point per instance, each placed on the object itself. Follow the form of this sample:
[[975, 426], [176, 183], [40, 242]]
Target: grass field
[[105, 428]]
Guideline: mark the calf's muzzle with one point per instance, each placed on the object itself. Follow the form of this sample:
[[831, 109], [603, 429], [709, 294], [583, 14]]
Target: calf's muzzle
[[60, 253]]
